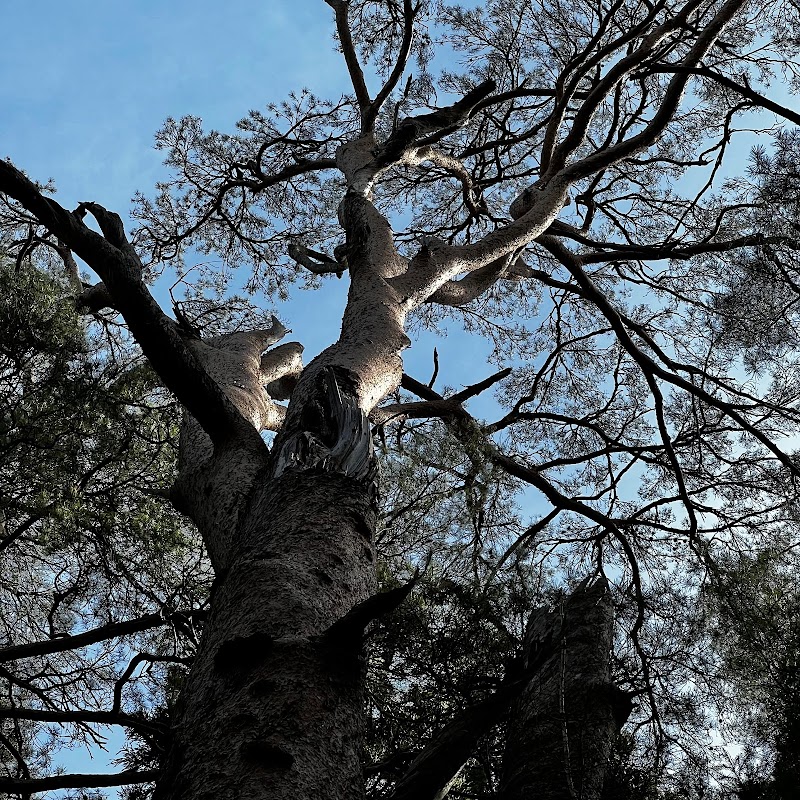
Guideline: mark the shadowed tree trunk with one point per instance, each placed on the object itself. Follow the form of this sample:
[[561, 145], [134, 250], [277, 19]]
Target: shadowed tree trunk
[[561, 726], [273, 704]]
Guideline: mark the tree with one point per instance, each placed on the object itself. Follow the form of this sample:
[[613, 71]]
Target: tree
[[756, 604], [84, 534], [537, 194]]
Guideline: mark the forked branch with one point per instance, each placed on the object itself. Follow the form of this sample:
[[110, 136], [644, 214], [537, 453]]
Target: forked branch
[[114, 259]]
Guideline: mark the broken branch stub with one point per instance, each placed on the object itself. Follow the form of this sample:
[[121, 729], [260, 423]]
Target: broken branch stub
[[334, 433]]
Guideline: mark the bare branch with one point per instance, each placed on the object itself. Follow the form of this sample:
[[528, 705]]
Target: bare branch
[[95, 298], [111, 631], [648, 366], [755, 97], [314, 261], [76, 781], [613, 251], [349, 630], [604, 87], [433, 126], [669, 104], [140, 658], [472, 286], [281, 368], [85, 716], [409, 14], [481, 386], [351, 59], [115, 261]]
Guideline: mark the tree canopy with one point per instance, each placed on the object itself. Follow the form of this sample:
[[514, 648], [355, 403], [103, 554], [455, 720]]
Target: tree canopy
[[282, 580]]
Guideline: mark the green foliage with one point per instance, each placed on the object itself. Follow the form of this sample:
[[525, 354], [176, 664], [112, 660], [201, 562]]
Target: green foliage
[[625, 779], [757, 606], [87, 450]]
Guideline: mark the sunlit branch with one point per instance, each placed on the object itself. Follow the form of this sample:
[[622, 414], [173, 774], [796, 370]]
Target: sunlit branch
[[451, 165], [473, 285], [314, 261]]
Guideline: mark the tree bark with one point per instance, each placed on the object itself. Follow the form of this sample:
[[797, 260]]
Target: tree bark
[[272, 707], [561, 727]]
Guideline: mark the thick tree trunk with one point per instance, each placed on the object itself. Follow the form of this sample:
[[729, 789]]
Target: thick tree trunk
[[273, 708], [273, 705], [560, 730]]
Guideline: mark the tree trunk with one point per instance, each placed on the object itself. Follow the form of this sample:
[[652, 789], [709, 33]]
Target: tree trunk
[[272, 707], [560, 730]]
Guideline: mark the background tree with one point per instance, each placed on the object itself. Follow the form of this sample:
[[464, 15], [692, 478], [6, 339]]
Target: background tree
[[540, 194], [88, 443], [756, 629]]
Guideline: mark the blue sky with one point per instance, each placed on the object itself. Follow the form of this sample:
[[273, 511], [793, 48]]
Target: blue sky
[[86, 84]]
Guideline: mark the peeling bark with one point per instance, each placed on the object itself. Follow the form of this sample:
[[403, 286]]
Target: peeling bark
[[560, 731], [234, 361], [334, 435]]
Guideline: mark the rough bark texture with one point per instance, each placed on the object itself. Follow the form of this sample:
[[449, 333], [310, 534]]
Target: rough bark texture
[[272, 708], [215, 483], [560, 730]]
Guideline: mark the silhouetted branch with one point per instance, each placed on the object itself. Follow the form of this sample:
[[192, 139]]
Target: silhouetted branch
[[111, 631], [76, 781], [351, 58], [352, 625], [85, 716], [755, 97], [113, 258], [371, 114]]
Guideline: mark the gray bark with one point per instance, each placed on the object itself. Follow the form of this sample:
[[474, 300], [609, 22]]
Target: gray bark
[[273, 708], [561, 727], [214, 484]]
